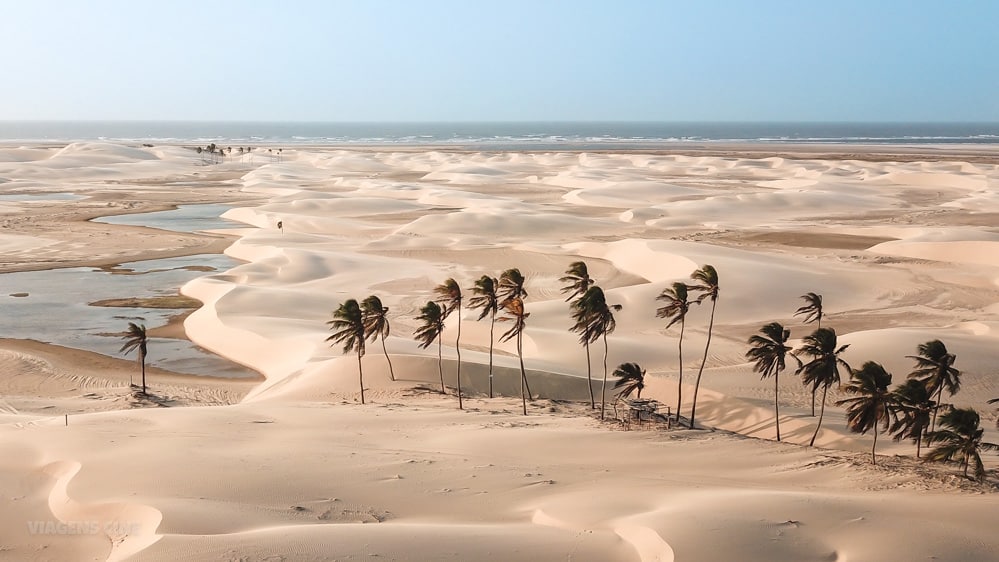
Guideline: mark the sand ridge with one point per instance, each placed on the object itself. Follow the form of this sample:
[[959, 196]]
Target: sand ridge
[[298, 469]]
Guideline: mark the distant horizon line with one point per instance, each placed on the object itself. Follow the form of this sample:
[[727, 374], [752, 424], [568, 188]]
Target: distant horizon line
[[493, 121]]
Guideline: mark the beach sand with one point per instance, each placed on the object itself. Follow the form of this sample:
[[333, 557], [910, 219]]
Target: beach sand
[[902, 245]]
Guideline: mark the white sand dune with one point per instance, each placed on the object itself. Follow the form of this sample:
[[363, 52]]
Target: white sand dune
[[300, 470]]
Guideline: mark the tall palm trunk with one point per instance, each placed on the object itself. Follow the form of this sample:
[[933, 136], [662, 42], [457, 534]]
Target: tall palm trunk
[[523, 374], [385, 351], [777, 403], [440, 364], [492, 325], [933, 425], [874, 459], [679, 384], [457, 347], [360, 376], [707, 344], [589, 375], [142, 363], [603, 388], [919, 443], [819, 327], [822, 412]]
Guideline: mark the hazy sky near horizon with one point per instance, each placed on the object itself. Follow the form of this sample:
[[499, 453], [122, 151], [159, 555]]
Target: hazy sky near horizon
[[510, 60]]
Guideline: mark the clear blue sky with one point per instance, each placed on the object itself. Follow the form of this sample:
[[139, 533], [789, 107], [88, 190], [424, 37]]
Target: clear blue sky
[[500, 60]]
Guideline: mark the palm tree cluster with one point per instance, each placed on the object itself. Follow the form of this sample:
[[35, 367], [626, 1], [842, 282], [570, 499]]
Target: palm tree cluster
[[908, 411], [354, 323], [678, 300]]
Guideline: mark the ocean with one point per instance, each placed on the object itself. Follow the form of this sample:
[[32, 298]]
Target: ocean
[[534, 135]]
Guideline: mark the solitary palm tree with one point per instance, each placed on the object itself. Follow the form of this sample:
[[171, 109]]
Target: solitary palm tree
[[594, 320], [631, 379], [872, 404], [578, 281], [676, 309], [823, 369], [812, 310], [347, 326], [935, 368], [913, 407], [376, 324], [485, 298], [450, 296], [135, 338], [961, 441], [769, 350], [514, 307], [706, 279], [511, 286], [432, 317]]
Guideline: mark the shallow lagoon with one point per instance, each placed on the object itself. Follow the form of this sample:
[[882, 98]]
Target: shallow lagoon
[[185, 218], [56, 309]]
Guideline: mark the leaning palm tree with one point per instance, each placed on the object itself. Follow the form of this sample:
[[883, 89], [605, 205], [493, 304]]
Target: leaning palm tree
[[676, 309], [935, 368], [769, 350], [485, 298], [595, 320], [631, 379], [432, 316], [913, 407], [706, 279], [578, 281], [823, 369], [347, 326], [376, 324], [812, 310], [450, 297], [514, 308], [872, 404], [135, 338], [511, 286], [961, 441]]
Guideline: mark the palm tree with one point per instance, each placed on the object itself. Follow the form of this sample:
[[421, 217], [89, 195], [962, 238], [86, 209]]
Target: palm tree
[[823, 369], [376, 324], [960, 441], [432, 316], [935, 368], [872, 404], [485, 298], [514, 307], [450, 296], [135, 338], [631, 378], [578, 279], [706, 279], [594, 320], [676, 309], [813, 313], [769, 351], [347, 326], [913, 406], [511, 286]]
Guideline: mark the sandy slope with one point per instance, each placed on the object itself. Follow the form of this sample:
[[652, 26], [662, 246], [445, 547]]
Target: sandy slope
[[901, 249]]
